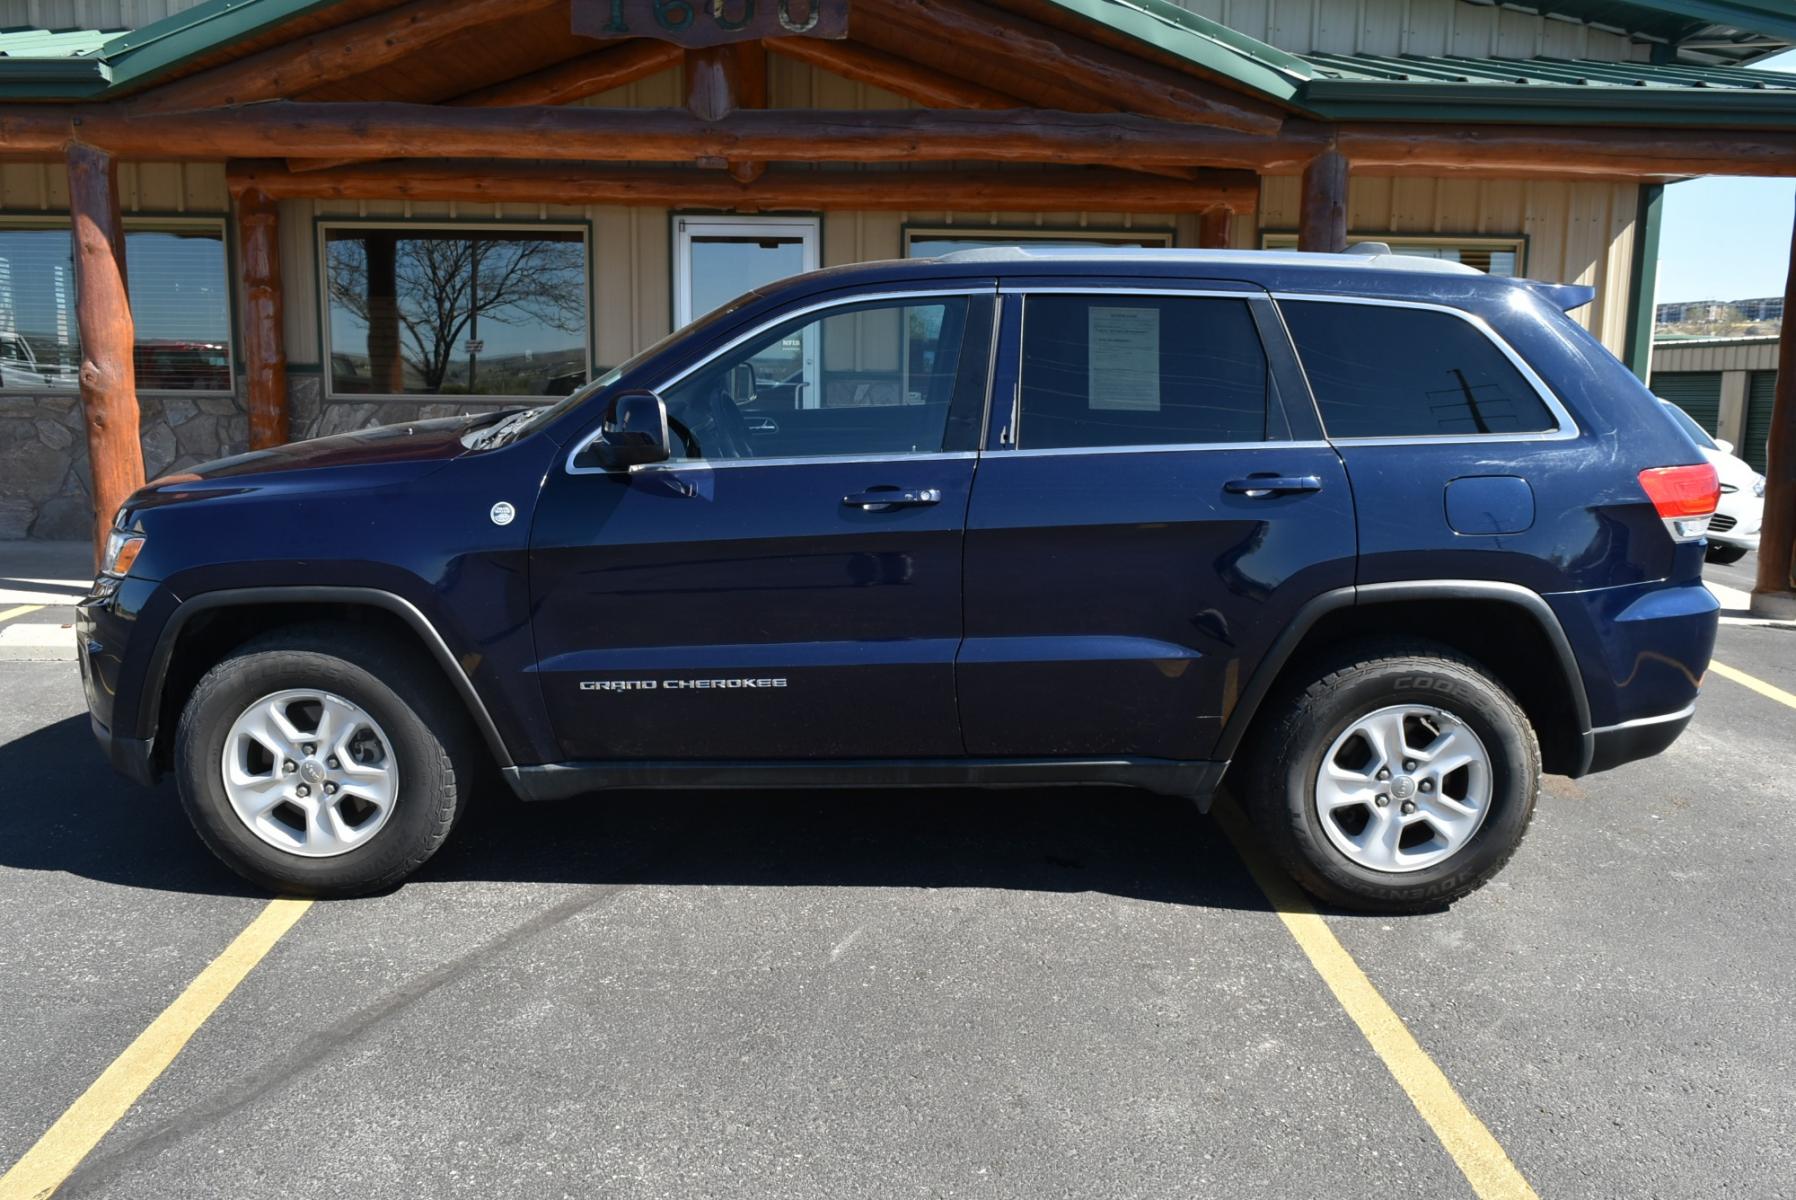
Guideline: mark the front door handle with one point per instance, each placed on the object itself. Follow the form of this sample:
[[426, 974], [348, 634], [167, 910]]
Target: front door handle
[[1273, 485], [884, 499]]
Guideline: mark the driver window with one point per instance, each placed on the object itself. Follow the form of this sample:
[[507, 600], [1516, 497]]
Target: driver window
[[875, 378]]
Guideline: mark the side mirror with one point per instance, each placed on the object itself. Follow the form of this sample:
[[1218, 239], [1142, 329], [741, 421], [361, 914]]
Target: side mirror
[[635, 431], [1724, 445]]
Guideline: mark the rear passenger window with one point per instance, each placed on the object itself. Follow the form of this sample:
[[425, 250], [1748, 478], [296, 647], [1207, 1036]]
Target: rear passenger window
[[1383, 371], [1129, 370]]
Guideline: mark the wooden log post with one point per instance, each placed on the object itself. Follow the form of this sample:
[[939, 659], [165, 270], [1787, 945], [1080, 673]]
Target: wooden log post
[[103, 314], [1774, 591], [264, 349], [1322, 221], [1216, 229]]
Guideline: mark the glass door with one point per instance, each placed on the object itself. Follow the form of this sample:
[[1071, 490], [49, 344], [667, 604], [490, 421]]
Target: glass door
[[717, 259]]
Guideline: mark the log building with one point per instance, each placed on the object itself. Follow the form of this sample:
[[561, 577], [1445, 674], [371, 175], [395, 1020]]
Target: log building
[[228, 224]]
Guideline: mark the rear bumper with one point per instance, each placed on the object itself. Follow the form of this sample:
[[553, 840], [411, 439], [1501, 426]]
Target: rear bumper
[[1637, 739]]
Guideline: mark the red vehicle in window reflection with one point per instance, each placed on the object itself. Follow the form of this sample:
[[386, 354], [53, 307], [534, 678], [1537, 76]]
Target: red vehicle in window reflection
[[183, 366]]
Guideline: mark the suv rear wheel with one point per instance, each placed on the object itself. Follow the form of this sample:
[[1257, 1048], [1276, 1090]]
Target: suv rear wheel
[[319, 762], [1397, 778]]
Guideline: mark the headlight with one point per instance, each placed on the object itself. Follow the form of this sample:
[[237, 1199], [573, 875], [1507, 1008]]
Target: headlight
[[122, 549], [1758, 485]]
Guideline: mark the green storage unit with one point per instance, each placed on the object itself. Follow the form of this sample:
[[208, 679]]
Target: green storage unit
[[1696, 392], [1760, 390]]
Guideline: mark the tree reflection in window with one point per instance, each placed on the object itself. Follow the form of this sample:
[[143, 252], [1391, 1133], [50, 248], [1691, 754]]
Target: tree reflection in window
[[453, 312]]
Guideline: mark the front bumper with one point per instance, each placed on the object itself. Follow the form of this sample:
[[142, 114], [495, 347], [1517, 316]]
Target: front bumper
[[134, 758], [1736, 522]]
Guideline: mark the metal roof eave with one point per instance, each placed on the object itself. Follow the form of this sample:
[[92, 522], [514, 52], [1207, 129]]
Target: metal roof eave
[[1494, 103], [1260, 66], [160, 46]]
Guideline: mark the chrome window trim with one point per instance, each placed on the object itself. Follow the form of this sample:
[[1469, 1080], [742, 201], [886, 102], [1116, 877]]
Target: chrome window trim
[[1158, 448], [1567, 426], [794, 460], [750, 335], [1009, 448]]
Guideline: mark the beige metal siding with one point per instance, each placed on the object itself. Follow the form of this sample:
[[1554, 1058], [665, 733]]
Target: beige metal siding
[[1575, 232], [1740, 354], [1415, 27], [162, 189]]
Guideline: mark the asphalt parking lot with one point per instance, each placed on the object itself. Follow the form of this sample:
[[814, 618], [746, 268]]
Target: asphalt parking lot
[[932, 994]]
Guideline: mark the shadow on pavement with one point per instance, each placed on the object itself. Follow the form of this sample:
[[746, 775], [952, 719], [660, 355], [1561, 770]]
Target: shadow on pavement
[[62, 809]]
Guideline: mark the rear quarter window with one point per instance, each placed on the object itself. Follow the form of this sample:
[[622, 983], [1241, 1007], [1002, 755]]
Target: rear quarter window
[[1387, 371]]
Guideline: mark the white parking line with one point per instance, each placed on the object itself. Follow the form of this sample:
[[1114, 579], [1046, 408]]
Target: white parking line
[[34, 641]]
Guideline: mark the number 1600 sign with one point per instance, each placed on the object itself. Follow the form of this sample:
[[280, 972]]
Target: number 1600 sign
[[710, 22]]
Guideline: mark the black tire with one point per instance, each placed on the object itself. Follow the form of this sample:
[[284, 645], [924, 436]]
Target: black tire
[[1725, 554], [1282, 761], [432, 743]]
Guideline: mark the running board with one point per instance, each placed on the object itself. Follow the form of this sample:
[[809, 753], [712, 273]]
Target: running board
[[1163, 776]]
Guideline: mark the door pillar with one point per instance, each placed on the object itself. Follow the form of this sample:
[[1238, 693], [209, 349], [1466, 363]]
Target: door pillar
[[108, 335]]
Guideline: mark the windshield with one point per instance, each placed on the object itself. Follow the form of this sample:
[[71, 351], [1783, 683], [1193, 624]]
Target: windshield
[[1697, 433], [517, 424]]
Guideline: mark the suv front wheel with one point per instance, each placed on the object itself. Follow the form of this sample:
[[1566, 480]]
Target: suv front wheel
[[319, 762], [1395, 779]]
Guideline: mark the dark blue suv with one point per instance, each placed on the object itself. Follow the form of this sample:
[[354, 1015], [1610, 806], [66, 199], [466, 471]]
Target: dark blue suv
[[1372, 541]]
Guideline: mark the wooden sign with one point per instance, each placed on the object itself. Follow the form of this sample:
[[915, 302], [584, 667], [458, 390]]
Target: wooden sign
[[710, 22]]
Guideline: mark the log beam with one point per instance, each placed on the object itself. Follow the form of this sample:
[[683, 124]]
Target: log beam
[[804, 191], [1056, 137], [900, 76], [341, 53], [1107, 76], [264, 338], [108, 337], [578, 78], [1774, 591], [563, 83], [398, 130], [1322, 220]]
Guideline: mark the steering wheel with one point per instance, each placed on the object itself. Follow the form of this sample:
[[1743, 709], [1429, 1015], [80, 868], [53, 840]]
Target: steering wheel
[[732, 429], [678, 428]]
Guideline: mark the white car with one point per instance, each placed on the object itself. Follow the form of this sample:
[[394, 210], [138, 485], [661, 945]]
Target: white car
[[1734, 529]]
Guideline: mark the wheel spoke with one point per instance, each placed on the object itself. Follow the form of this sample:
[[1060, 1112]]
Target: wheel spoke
[[314, 787], [1412, 777]]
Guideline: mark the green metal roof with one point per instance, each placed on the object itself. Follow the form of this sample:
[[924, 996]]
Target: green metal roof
[[82, 64], [1451, 87], [52, 62]]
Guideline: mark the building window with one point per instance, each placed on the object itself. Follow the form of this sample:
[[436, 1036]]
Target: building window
[[179, 302], [418, 310], [933, 242], [1492, 255]]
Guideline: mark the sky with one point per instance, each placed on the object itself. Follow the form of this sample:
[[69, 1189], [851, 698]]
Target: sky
[[1727, 239]]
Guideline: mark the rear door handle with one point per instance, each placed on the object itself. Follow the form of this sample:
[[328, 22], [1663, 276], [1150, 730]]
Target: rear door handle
[[883, 499], [1273, 485]]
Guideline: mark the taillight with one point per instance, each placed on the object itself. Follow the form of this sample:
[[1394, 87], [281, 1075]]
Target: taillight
[[1684, 496]]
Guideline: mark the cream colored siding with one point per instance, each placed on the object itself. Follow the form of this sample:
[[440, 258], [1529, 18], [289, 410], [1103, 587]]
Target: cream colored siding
[[162, 189], [1575, 232], [1743, 354], [1415, 27]]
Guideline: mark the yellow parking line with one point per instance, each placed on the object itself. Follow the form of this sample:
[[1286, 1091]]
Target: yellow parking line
[[98, 1109], [20, 611], [1769, 690], [1480, 1158]]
